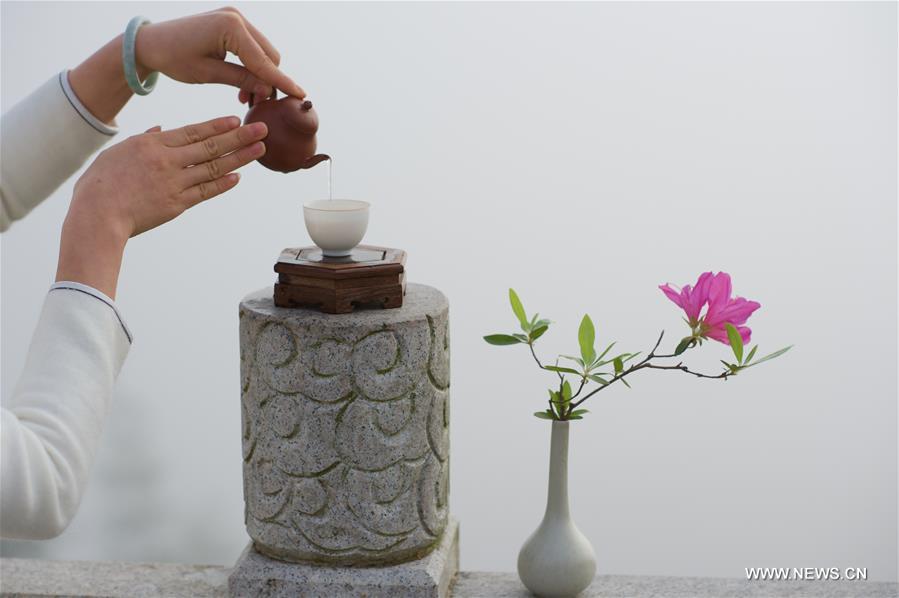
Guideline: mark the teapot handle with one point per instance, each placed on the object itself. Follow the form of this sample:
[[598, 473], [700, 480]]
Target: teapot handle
[[274, 96]]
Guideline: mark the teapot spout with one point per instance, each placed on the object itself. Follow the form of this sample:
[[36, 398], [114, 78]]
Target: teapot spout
[[313, 160]]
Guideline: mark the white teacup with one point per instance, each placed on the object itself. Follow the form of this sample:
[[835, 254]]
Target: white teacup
[[336, 225]]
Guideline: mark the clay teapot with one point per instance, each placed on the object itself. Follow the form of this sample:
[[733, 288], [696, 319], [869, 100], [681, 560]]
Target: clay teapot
[[292, 124]]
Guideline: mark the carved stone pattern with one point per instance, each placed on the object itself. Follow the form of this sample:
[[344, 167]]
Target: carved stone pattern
[[345, 438]]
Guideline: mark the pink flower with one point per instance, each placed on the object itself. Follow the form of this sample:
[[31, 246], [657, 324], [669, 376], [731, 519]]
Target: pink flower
[[713, 291]]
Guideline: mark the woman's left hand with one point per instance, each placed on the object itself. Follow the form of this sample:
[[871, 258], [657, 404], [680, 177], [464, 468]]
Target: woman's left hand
[[143, 182], [193, 49]]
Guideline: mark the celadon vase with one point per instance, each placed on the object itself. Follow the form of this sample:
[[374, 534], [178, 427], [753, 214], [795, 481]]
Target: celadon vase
[[557, 560]]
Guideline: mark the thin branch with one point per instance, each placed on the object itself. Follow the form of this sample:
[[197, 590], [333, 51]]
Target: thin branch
[[653, 352], [722, 376], [646, 365], [537, 359], [579, 388]]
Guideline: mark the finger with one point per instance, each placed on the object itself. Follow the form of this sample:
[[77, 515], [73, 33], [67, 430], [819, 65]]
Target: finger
[[213, 170], [219, 145], [257, 62], [199, 131], [155, 129], [266, 45], [207, 190], [229, 73], [243, 96], [263, 41]]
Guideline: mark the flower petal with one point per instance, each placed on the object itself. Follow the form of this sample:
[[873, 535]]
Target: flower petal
[[698, 296], [702, 286], [672, 294], [719, 333], [719, 295], [737, 311]]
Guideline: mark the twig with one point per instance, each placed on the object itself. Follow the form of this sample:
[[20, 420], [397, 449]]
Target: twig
[[646, 365], [683, 368], [537, 359]]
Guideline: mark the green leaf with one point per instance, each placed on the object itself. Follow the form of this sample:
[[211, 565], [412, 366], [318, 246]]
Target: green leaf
[[577, 360], [501, 339], [575, 417], [629, 356], [544, 414], [619, 365], [586, 336], [518, 309], [772, 356], [561, 370], [553, 404], [566, 391], [538, 332], [751, 354], [541, 322], [521, 338], [625, 382], [683, 345], [603, 354], [557, 400], [736, 341], [598, 378], [579, 412]]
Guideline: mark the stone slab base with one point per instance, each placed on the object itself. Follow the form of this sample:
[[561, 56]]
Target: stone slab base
[[256, 575]]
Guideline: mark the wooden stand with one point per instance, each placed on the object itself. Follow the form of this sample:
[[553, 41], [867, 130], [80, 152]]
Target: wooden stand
[[370, 277]]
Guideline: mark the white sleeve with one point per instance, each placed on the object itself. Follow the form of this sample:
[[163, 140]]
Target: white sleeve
[[44, 139], [51, 424]]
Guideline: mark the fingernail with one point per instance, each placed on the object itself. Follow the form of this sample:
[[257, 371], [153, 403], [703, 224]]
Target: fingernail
[[233, 121], [258, 149], [258, 129], [233, 178], [262, 91]]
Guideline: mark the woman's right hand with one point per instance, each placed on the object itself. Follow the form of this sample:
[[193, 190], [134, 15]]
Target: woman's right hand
[[193, 50], [143, 182]]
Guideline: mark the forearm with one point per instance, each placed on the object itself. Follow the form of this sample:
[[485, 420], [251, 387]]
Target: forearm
[[90, 252], [99, 82]]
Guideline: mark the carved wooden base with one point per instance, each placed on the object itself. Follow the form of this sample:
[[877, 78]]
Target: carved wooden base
[[369, 277]]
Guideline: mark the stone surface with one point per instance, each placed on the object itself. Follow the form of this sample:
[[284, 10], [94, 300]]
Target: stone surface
[[506, 585], [32, 577], [346, 429], [429, 577]]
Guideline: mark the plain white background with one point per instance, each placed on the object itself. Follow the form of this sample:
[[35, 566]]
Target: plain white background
[[582, 153]]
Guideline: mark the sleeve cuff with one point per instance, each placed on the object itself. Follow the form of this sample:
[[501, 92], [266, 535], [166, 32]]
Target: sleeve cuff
[[82, 111], [89, 290]]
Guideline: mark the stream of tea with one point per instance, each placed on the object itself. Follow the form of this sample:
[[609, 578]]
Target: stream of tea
[[330, 178]]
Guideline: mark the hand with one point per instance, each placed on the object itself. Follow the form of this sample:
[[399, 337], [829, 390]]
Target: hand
[[193, 49], [143, 182]]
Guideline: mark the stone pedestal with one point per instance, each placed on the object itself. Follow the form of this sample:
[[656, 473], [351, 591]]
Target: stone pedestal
[[256, 575], [345, 439]]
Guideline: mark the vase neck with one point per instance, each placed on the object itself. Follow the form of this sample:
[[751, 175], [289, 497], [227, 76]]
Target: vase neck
[[557, 496]]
